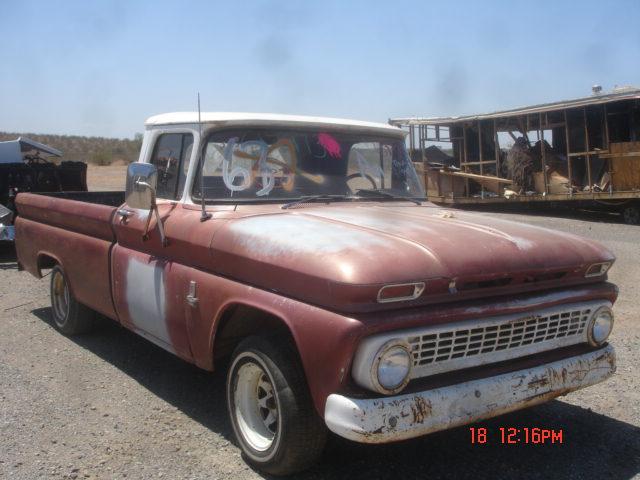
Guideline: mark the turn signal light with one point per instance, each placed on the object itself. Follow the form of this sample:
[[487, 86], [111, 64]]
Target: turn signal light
[[597, 269]]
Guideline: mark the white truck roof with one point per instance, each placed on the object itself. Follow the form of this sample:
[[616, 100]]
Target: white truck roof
[[268, 119]]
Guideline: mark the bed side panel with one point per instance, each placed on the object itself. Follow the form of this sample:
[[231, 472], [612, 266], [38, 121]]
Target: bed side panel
[[89, 219], [85, 260]]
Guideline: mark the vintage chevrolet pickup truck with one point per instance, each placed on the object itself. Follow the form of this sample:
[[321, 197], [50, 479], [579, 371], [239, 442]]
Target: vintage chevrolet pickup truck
[[299, 254]]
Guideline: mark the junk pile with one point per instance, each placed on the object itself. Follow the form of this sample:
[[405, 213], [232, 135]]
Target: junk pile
[[522, 172], [435, 155], [519, 165], [524, 166]]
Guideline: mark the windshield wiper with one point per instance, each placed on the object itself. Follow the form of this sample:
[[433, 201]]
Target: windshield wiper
[[380, 193], [316, 198]]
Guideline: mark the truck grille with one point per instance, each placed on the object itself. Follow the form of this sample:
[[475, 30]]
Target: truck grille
[[466, 344]]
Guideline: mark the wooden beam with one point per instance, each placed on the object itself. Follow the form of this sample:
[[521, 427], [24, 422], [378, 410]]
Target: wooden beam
[[422, 137], [464, 143], [484, 162], [543, 152], [476, 176], [464, 140], [411, 127], [606, 136], [566, 136], [617, 155], [586, 143], [496, 146], [591, 152], [480, 146], [524, 127]]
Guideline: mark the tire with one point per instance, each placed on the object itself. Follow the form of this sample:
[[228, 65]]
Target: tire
[[631, 214], [69, 316], [270, 408]]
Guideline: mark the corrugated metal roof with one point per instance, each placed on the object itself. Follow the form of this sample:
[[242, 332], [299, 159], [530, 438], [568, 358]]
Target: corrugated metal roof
[[624, 94], [27, 145], [12, 151]]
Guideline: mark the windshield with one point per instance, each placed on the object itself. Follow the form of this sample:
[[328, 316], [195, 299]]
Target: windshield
[[261, 164]]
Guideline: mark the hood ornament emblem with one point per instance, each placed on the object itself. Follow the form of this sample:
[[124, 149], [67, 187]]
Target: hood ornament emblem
[[452, 286]]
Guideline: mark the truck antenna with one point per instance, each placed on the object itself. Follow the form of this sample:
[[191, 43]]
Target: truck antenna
[[205, 215]]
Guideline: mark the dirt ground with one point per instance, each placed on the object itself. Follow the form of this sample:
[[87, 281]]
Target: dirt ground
[[112, 405], [105, 178]]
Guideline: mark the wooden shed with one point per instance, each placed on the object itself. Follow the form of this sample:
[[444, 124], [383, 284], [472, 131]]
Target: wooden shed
[[585, 151]]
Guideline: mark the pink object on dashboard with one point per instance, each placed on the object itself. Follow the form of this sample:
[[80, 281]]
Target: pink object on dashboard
[[330, 144]]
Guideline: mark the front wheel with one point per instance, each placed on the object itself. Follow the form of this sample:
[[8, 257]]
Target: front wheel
[[271, 412]]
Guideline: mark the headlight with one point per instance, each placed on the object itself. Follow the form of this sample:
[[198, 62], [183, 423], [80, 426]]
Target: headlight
[[600, 326], [391, 367]]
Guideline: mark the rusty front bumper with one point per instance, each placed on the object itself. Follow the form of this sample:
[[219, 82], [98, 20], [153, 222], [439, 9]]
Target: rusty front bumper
[[400, 417]]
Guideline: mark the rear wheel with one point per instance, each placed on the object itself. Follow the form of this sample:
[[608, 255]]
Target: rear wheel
[[270, 408], [69, 316]]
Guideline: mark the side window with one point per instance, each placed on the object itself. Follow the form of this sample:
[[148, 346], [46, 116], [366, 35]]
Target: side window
[[171, 156]]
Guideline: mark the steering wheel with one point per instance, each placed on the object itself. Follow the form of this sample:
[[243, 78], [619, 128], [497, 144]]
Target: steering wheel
[[365, 176]]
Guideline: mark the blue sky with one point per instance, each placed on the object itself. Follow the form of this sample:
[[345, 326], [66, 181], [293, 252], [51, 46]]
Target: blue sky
[[102, 67]]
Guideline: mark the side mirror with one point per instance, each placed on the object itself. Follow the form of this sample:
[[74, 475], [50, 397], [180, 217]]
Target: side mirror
[[142, 180]]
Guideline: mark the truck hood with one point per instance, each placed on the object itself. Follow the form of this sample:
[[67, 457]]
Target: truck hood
[[339, 256]]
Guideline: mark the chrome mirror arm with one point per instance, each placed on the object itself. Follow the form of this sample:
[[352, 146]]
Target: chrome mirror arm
[[154, 208], [140, 183]]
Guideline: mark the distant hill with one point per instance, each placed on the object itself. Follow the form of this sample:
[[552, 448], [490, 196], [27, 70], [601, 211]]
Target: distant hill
[[96, 150]]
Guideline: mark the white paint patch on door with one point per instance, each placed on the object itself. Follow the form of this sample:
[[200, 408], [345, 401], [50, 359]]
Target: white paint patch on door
[[145, 297]]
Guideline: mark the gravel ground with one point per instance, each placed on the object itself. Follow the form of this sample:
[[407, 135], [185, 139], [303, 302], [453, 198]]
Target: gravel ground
[[111, 405]]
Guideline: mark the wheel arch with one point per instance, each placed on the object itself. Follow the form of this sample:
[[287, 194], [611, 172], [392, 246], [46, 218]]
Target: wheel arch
[[46, 260], [239, 320]]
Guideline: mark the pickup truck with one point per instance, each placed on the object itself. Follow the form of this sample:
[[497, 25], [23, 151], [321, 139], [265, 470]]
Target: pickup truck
[[299, 254]]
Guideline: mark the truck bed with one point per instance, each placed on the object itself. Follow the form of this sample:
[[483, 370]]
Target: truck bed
[[89, 213], [113, 198], [73, 229]]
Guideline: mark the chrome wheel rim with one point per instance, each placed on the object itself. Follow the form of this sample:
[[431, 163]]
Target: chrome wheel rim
[[60, 298], [256, 406]]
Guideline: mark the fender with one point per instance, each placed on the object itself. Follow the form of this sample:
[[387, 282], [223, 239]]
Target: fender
[[324, 340]]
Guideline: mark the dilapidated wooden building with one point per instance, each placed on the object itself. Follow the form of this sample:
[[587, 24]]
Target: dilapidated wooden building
[[585, 151]]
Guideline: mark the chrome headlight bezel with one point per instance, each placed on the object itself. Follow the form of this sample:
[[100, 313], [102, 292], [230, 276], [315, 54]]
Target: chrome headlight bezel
[[397, 345], [591, 336]]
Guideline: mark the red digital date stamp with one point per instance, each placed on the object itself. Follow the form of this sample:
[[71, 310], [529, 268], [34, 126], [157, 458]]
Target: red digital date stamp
[[517, 436]]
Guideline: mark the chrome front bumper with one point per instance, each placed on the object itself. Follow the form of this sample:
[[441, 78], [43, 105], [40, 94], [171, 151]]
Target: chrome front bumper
[[400, 417]]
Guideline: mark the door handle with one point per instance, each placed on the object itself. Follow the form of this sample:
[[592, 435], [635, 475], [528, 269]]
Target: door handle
[[192, 298], [124, 214]]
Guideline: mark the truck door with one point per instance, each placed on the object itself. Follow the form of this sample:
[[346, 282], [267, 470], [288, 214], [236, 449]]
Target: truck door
[[147, 282]]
